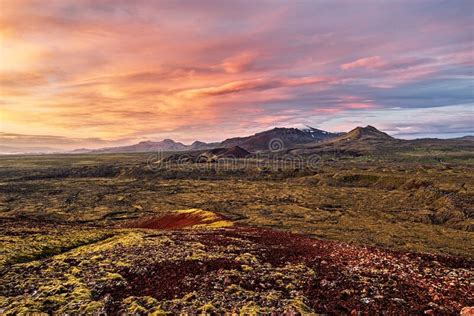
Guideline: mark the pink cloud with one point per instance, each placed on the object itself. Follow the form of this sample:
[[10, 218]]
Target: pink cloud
[[227, 88], [355, 106], [327, 110], [368, 63], [240, 62], [259, 84]]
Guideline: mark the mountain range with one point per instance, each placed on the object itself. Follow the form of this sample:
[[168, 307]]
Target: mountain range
[[287, 138], [290, 140]]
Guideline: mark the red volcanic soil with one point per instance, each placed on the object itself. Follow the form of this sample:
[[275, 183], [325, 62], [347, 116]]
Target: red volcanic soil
[[352, 278], [348, 279], [178, 220]]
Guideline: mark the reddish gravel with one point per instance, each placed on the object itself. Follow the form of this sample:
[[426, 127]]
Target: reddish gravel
[[349, 278], [355, 278], [174, 221]]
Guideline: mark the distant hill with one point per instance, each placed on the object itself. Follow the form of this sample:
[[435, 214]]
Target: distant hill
[[356, 142], [211, 155], [363, 140], [12, 150], [146, 146], [232, 152], [467, 137], [198, 145], [363, 133]]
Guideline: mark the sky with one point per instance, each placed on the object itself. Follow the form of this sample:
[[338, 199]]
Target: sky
[[97, 73]]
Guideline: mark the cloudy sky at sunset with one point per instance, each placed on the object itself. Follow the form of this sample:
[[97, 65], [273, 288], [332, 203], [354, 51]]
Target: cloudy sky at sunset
[[91, 73]]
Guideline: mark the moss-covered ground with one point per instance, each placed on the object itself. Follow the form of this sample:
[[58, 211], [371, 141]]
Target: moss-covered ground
[[237, 269]]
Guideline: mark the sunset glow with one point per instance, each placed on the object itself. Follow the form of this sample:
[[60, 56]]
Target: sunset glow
[[98, 73]]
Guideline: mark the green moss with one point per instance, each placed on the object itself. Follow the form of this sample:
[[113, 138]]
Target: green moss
[[143, 305], [246, 268], [112, 276], [157, 312], [247, 258], [92, 308], [136, 309], [37, 245], [250, 309], [189, 296], [301, 308], [207, 308], [75, 271]]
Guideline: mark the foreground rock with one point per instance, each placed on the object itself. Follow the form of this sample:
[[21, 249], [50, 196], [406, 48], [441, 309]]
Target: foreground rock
[[233, 269]]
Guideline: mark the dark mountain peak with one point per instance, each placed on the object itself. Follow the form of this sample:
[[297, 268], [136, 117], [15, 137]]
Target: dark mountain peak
[[279, 131], [288, 136], [372, 129], [312, 129], [169, 141], [366, 132], [319, 134]]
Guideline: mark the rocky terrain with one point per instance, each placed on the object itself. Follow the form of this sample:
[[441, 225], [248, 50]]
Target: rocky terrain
[[196, 261]]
